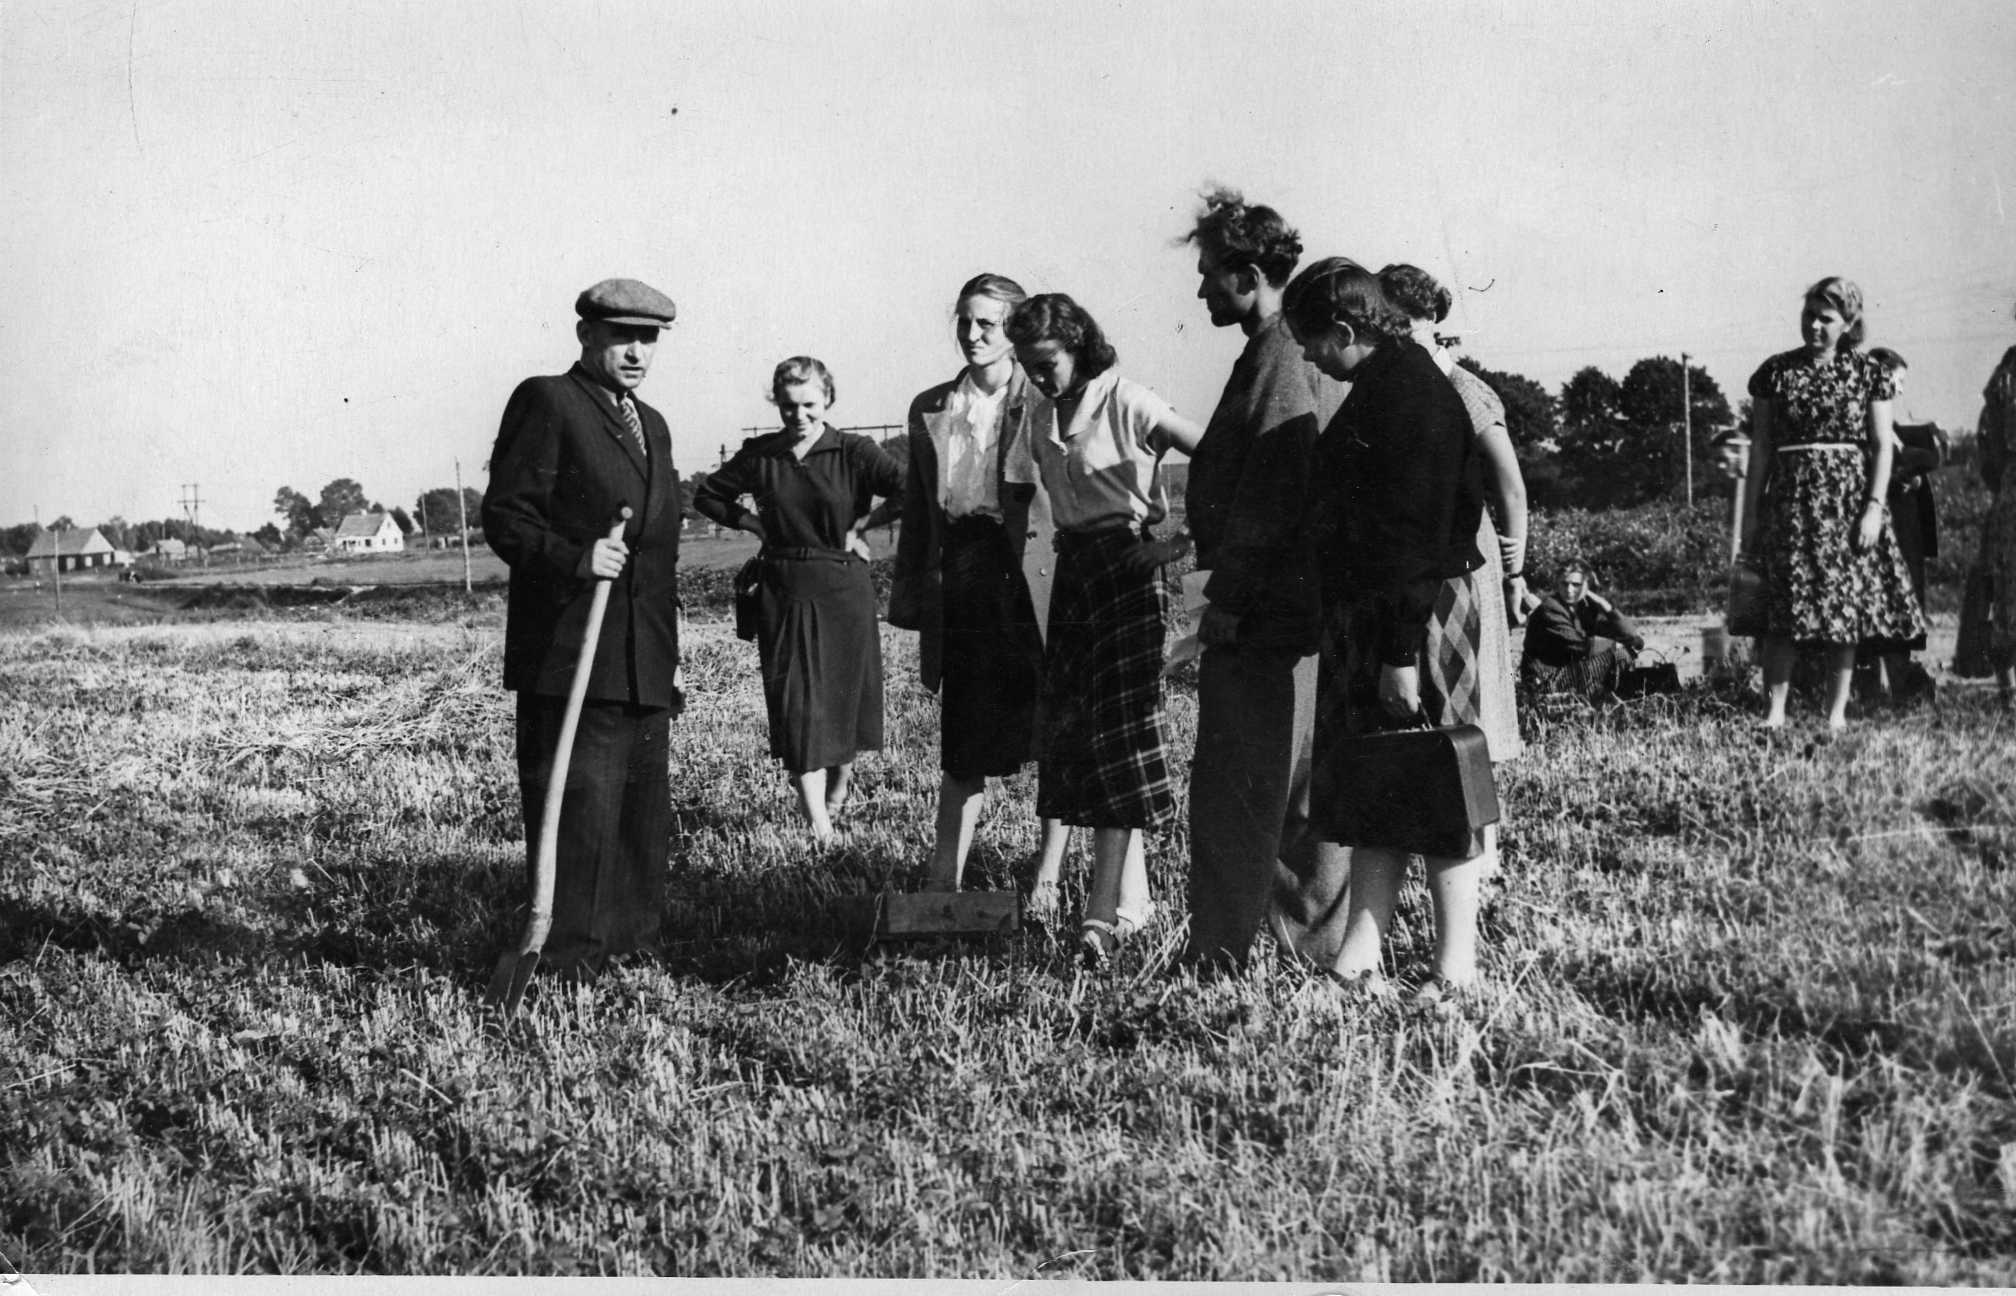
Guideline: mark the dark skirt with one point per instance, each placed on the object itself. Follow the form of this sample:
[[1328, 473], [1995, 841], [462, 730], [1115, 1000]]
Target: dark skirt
[[993, 654], [1103, 742], [822, 660]]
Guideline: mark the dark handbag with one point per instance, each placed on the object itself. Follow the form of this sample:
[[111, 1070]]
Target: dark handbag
[[1424, 791], [1649, 680], [748, 584], [1745, 618]]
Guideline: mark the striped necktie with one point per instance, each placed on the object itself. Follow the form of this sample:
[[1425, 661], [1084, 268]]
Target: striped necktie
[[635, 424]]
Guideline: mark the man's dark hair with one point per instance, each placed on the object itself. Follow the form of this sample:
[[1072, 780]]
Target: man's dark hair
[[1235, 233]]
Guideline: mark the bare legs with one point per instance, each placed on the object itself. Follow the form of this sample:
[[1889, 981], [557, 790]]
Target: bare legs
[[1779, 655], [821, 793], [959, 802], [1376, 876], [1119, 888], [958, 814]]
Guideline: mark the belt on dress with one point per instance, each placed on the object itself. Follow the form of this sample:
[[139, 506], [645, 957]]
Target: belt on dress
[[1100, 533], [1819, 445], [809, 553]]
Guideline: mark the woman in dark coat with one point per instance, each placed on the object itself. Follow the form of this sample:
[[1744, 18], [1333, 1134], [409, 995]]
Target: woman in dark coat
[[1396, 506], [816, 629], [965, 564]]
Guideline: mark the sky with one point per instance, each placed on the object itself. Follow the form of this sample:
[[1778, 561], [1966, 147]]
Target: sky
[[248, 244]]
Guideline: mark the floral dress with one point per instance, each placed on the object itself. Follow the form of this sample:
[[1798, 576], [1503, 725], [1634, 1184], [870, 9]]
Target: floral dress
[[1818, 588]]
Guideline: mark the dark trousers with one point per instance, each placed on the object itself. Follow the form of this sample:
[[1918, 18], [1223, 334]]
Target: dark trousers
[[1249, 795], [615, 823]]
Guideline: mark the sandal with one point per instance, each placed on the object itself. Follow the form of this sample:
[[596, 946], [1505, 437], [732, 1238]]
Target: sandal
[[1131, 921], [1366, 984], [1098, 942], [1442, 996]]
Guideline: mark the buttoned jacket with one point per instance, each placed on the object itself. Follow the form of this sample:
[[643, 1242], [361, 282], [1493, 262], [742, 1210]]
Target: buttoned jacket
[[564, 465], [917, 589]]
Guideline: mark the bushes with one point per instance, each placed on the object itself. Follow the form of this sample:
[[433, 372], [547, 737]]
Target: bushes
[[1676, 558], [1668, 559]]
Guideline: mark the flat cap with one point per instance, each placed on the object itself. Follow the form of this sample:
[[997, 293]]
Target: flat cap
[[625, 301]]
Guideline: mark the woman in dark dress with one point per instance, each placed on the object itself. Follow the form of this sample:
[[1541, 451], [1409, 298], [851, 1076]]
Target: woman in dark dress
[[1396, 503], [963, 567], [816, 629], [1833, 574]]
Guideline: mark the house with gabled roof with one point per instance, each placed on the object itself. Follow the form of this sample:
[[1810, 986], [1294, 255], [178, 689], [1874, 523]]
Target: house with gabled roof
[[80, 549], [369, 533]]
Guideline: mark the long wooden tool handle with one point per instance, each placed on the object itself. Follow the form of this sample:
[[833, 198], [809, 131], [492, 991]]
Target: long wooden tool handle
[[545, 862]]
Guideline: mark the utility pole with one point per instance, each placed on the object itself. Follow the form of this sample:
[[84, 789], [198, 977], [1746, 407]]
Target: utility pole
[[462, 511], [425, 537], [192, 508], [1687, 424], [55, 557]]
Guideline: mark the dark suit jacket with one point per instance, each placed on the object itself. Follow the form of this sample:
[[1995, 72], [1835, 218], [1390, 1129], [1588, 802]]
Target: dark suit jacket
[[917, 590], [563, 466]]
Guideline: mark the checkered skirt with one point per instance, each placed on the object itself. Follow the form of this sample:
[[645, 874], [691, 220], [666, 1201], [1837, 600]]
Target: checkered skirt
[[1103, 760]]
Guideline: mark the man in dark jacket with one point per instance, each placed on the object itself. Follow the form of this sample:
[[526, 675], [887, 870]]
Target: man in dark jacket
[[1577, 641], [1256, 682], [572, 452]]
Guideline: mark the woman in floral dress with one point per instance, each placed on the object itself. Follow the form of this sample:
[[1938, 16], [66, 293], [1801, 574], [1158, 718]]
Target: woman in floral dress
[[1833, 574]]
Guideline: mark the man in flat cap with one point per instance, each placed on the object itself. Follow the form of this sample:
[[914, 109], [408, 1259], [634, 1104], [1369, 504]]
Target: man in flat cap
[[573, 450]]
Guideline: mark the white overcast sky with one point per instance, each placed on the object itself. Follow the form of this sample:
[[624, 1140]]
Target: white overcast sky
[[259, 243]]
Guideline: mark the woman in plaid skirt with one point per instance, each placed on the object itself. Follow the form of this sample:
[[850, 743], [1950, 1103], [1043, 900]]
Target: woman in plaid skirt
[[1394, 520], [1099, 440]]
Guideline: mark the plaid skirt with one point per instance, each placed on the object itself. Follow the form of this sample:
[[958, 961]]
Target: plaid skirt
[[1498, 705], [1594, 677], [1102, 746]]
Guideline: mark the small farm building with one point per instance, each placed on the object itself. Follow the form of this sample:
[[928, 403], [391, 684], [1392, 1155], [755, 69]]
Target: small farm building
[[69, 551], [369, 533]]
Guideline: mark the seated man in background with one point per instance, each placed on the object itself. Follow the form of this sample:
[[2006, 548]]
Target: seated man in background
[[1577, 641]]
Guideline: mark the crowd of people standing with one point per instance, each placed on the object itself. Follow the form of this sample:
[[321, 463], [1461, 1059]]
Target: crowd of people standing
[[1353, 500]]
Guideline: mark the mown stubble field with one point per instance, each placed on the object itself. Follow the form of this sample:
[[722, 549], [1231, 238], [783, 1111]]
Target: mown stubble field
[[1753, 1014]]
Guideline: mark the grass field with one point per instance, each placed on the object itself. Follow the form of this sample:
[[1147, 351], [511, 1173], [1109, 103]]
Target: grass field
[[1753, 1014]]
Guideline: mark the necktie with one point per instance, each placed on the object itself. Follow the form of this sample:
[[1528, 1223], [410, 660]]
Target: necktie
[[635, 424]]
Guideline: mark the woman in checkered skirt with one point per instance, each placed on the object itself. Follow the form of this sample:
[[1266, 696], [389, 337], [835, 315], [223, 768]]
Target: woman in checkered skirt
[[1394, 518], [1099, 440]]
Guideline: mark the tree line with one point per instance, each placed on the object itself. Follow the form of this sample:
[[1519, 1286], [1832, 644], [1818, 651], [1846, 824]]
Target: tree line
[[436, 512], [1601, 443]]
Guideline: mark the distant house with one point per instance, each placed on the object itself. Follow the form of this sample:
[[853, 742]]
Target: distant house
[[318, 539], [169, 551], [238, 549], [69, 551], [369, 533]]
